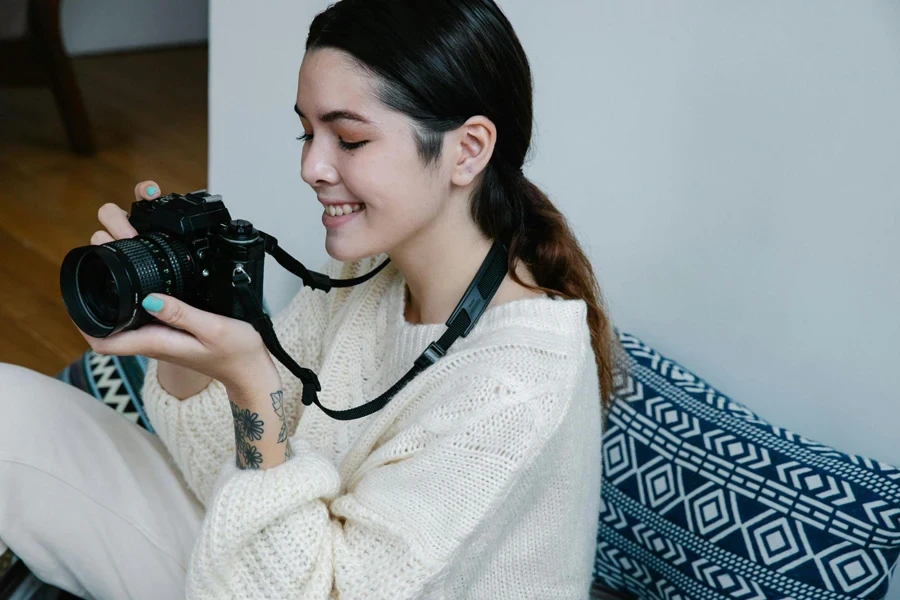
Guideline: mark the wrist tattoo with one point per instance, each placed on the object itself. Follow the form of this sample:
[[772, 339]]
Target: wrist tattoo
[[247, 427], [278, 406]]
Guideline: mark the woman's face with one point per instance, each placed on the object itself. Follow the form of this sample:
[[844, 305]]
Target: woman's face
[[359, 152]]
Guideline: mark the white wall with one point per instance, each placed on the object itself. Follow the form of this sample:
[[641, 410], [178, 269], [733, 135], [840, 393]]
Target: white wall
[[731, 166], [254, 156], [98, 26]]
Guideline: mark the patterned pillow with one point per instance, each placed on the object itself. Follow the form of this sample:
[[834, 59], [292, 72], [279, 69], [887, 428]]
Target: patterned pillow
[[114, 380], [703, 499]]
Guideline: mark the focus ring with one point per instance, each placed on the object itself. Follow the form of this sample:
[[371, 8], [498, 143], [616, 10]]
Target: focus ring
[[161, 264], [145, 265], [181, 261]]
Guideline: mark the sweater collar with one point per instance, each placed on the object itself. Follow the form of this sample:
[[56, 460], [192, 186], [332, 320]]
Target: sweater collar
[[553, 316]]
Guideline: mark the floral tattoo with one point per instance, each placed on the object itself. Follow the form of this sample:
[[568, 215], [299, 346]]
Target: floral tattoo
[[278, 406], [247, 426]]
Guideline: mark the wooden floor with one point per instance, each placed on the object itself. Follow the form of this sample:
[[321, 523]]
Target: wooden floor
[[149, 114]]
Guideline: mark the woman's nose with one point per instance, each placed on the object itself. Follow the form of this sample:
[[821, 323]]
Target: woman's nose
[[316, 165]]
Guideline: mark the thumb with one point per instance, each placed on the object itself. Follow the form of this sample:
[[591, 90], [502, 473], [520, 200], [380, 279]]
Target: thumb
[[180, 315]]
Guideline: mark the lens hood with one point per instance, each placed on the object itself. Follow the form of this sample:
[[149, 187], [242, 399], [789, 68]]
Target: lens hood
[[85, 307]]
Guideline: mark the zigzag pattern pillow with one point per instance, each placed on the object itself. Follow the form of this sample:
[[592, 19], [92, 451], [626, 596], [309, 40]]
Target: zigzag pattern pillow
[[114, 380], [702, 499]]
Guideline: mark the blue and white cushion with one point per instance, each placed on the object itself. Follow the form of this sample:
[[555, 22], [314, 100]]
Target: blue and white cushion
[[114, 380], [703, 499]]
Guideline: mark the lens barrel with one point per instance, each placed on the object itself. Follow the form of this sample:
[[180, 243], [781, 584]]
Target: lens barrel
[[103, 286]]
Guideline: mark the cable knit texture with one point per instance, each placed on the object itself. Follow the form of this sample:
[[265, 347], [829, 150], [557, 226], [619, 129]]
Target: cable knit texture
[[480, 479]]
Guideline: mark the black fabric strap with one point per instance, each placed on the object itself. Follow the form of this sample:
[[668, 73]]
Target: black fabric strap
[[317, 281], [477, 297]]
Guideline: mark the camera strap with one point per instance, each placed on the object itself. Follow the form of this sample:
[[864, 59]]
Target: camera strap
[[470, 308]]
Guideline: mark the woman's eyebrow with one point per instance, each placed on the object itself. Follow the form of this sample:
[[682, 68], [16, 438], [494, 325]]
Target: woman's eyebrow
[[337, 115]]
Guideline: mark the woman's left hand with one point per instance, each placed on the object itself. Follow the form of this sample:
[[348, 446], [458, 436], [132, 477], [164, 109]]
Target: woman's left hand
[[223, 348]]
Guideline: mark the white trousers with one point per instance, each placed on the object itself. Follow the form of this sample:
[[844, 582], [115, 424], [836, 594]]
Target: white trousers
[[92, 503]]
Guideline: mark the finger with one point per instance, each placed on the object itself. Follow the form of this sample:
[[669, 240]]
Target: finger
[[101, 237], [116, 221], [152, 340], [203, 325], [146, 190]]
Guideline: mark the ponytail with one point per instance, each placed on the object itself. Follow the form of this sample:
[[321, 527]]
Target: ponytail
[[510, 208]]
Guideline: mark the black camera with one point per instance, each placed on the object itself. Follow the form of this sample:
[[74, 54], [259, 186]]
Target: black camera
[[187, 246]]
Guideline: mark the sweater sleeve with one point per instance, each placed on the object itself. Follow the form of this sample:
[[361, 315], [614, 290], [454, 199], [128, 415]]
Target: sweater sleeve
[[409, 518], [198, 431]]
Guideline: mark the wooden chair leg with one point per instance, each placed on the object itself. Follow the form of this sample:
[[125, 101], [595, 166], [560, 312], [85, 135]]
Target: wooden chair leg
[[43, 21]]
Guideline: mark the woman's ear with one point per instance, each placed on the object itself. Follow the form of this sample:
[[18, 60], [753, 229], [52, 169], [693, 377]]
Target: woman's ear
[[474, 144]]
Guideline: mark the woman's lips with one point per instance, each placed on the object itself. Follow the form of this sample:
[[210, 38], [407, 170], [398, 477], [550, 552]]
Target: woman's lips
[[336, 221]]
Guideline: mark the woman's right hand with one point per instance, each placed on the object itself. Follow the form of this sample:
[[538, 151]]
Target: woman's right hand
[[116, 220], [178, 381]]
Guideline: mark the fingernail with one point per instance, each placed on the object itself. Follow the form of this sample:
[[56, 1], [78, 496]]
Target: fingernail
[[152, 303], [151, 190]]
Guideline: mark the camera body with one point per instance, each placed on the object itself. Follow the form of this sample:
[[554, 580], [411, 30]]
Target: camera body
[[216, 246]]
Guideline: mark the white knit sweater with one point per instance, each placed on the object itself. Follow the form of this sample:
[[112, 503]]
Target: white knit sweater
[[480, 479]]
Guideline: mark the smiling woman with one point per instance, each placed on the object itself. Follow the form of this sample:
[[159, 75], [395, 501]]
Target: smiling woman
[[480, 478]]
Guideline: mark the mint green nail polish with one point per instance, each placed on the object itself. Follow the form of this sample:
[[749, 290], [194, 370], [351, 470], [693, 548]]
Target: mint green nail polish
[[152, 303], [151, 190]]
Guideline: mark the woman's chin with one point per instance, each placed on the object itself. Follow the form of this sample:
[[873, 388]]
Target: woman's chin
[[340, 250]]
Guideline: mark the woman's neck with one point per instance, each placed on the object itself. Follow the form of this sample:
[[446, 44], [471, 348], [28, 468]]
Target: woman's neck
[[432, 291], [435, 281]]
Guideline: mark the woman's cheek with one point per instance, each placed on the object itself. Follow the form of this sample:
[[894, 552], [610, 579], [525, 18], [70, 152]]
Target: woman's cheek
[[365, 186]]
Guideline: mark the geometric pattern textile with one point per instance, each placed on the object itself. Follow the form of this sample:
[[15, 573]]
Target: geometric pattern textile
[[114, 380], [702, 499]]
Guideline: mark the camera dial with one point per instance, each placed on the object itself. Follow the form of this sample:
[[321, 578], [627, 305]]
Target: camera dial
[[240, 231]]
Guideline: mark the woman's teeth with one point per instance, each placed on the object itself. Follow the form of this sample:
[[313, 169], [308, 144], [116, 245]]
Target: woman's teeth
[[336, 210]]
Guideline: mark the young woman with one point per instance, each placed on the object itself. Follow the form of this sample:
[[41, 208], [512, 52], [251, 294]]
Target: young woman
[[480, 479]]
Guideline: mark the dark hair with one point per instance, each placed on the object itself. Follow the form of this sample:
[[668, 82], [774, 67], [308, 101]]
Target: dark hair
[[441, 62]]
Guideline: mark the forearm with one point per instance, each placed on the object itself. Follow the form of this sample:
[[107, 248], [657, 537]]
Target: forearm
[[260, 427], [180, 382]]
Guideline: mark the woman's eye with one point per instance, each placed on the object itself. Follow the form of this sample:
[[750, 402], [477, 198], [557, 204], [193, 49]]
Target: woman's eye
[[344, 145], [352, 145]]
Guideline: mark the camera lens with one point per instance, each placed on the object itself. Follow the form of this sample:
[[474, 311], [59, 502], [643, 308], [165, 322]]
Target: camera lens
[[98, 289], [102, 286]]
